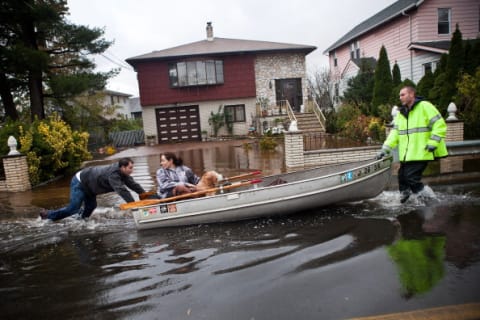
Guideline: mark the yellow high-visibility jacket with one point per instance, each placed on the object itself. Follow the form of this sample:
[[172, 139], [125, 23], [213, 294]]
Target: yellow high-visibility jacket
[[416, 129]]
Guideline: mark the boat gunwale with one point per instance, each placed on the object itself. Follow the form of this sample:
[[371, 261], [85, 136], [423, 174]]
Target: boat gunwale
[[255, 204], [376, 172], [287, 183]]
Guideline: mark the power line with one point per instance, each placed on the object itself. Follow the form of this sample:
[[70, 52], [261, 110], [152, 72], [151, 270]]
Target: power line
[[119, 64]]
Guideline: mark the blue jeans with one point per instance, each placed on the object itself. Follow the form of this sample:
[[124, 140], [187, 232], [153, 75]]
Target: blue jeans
[[77, 197]]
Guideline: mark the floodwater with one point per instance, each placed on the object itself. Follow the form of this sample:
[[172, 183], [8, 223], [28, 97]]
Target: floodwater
[[359, 259]]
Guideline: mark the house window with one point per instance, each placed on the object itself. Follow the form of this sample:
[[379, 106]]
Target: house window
[[430, 67], [335, 61], [427, 67], [444, 21], [112, 102], [236, 113], [195, 73], [355, 50]]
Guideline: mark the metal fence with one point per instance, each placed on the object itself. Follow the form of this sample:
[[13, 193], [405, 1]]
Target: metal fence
[[127, 138]]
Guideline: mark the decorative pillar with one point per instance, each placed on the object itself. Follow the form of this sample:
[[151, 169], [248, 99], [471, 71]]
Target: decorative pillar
[[15, 168], [455, 127], [294, 154], [16, 173]]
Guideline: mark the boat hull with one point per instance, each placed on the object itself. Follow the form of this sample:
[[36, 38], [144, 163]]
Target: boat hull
[[275, 195]]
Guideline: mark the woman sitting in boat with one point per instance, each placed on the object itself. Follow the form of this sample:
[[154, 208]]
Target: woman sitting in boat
[[174, 178]]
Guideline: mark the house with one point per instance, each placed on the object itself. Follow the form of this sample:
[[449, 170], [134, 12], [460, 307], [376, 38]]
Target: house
[[135, 108], [116, 104], [181, 87], [415, 34]]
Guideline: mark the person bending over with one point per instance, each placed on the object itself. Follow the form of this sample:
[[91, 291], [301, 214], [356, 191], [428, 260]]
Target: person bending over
[[89, 182]]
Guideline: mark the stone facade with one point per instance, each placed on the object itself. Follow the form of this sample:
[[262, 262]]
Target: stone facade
[[269, 67]]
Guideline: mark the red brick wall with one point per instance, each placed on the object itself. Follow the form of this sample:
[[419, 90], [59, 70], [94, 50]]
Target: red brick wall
[[154, 83]]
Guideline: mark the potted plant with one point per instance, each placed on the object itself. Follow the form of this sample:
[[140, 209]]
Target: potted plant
[[263, 102], [217, 120], [204, 135]]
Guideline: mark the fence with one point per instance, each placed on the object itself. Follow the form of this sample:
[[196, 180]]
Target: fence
[[127, 138]]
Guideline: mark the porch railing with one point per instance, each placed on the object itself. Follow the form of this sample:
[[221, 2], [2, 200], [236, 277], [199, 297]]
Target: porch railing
[[312, 106]]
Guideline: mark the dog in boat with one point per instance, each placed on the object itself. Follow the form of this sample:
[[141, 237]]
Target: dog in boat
[[208, 181]]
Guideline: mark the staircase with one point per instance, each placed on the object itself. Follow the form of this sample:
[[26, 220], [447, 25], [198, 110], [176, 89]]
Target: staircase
[[308, 122]]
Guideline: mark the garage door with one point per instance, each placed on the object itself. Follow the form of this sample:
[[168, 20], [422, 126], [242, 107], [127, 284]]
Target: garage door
[[178, 124]]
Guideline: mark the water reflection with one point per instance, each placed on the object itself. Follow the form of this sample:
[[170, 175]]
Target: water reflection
[[321, 241], [419, 262]]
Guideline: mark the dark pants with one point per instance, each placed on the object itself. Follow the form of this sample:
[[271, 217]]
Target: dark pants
[[77, 197], [410, 176]]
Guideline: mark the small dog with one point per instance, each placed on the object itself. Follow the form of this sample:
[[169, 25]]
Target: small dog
[[209, 180]]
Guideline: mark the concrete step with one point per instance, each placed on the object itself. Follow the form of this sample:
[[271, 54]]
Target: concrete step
[[308, 122]]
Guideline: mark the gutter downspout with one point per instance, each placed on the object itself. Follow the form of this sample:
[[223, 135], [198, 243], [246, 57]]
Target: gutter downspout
[[411, 53]]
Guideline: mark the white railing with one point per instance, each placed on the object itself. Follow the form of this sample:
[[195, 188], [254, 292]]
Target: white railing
[[312, 106]]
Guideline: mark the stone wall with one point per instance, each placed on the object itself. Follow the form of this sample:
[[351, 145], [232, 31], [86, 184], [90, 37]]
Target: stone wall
[[296, 157]]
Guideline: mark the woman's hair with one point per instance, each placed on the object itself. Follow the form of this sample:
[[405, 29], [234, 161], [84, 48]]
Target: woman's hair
[[177, 161]]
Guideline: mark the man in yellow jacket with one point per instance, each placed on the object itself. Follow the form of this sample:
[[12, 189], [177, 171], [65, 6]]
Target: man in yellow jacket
[[419, 133]]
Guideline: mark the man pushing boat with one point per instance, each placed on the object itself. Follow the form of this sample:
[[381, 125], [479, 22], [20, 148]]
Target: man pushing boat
[[89, 182]]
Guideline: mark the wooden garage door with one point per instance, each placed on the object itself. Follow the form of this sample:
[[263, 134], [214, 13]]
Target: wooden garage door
[[178, 124]]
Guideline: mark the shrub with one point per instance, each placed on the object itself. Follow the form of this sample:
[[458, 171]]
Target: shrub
[[267, 143], [51, 147]]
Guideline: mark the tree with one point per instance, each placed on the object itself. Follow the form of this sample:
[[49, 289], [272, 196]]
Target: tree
[[439, 79], [469, 103], [425, 84], [472, 56], [45, 55], [396, 82], [452, 70], [321, 88], [359, 88], [382, 88], [396, 76]]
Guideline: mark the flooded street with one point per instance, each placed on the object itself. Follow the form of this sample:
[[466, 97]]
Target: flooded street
[[353, 260]]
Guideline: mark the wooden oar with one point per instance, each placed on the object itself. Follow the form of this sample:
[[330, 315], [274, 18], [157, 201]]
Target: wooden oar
[[151, 202], [241, 176]]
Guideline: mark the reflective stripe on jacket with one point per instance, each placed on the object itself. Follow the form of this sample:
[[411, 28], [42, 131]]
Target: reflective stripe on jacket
[[423, 126]]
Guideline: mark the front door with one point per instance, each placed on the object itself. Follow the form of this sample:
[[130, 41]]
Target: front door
[[178, 124], [291, 90]]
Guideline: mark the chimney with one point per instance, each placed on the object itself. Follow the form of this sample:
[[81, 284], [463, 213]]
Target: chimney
[[209, 31]]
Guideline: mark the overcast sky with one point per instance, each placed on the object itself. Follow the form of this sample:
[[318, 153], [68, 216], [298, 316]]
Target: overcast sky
[[142, 26]]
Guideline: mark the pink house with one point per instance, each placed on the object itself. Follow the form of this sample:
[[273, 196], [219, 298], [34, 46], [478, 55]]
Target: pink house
[[414, 32]]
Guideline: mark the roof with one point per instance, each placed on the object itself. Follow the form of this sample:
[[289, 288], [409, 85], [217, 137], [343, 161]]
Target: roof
[[394, 10], [369, 63], [116, 93], [135, 105], [432, 46], [221, 46]]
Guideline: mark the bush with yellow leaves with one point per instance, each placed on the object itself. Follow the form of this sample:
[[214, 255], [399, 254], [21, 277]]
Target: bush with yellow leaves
[[52, 148]]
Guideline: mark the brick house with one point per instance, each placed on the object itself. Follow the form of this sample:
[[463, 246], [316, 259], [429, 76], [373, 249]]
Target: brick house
[[414, 32], [180, 86]]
